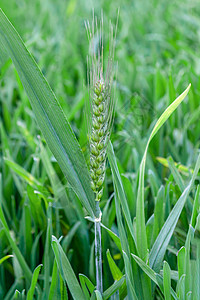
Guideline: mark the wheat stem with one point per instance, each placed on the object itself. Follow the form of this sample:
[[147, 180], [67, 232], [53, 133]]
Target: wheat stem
[[98, 255]]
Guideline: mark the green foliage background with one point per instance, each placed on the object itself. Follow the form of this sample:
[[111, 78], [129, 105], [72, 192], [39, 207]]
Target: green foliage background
[[158, 55]]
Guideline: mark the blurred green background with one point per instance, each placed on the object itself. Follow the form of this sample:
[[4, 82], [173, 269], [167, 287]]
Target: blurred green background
[[157, 51], [157, 55]]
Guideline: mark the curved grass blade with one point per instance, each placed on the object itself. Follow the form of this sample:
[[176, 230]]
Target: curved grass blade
[[116, 273], [5, 258], [49, 115], [54, 282], [33, 283], [86, 285], [167, 280], [66, 271], [19, 256], [158, 250], [114, 287], [141, 236], [120, 189], [154, 276]]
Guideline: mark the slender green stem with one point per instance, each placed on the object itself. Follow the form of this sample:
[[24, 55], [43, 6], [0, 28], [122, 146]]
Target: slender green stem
[[98, 256]]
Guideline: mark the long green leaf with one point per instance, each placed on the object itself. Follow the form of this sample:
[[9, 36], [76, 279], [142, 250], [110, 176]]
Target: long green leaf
[[116, 273], [154, 276], [166, 280], [66, 271], [49, 115], [86, 285], [132, 280], [33, 283], [19, 256], [120, 189], [30, 179], [114, 287], [141, 236], [54, 282], [158, 250]]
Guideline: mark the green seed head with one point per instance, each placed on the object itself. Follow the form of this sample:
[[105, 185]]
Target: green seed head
[[94, 150], [101, 119], [101, 107], [95, 124], [100, 194], [100, 98], [95, 137], [96, 112], [96, 101], [100, 158], [100, 133], [93, 186], [100, 171], [100, 182], [100, 146], [93, 176], [97, 91], [94, 164]]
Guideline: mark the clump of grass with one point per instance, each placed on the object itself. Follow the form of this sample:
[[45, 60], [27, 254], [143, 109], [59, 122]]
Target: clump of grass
[[100, 119]]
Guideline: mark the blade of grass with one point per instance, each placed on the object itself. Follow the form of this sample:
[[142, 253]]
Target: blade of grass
[[141, 236], [98, 295], [126, 251], [49, 115], [116, 273], [114, 287], [30, 179], [158, 214], [154, 276], [47, 254], [54, 282], [120, 189], [120, 199], [196, 275], [181, 262], [158, 250], [166, 280], [66, 271], [33, 283], [86, 285], [63, 289], [20, 258], [190, 235], [177, 177]]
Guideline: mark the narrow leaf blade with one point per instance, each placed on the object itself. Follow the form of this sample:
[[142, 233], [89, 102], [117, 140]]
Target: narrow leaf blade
[[49, 115], [158, 250], [141, 236], [66, 270]]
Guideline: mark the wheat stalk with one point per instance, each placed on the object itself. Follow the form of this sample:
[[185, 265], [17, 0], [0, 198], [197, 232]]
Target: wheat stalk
[[100, 119]]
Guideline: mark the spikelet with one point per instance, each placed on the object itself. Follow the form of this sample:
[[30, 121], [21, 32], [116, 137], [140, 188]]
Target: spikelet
[[101, 103]]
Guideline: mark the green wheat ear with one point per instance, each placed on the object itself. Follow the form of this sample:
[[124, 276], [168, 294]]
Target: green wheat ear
[[101, 103]]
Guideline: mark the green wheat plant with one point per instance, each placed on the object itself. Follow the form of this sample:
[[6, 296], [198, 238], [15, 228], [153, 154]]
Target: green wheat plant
[[145, 211], [100, 118]]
